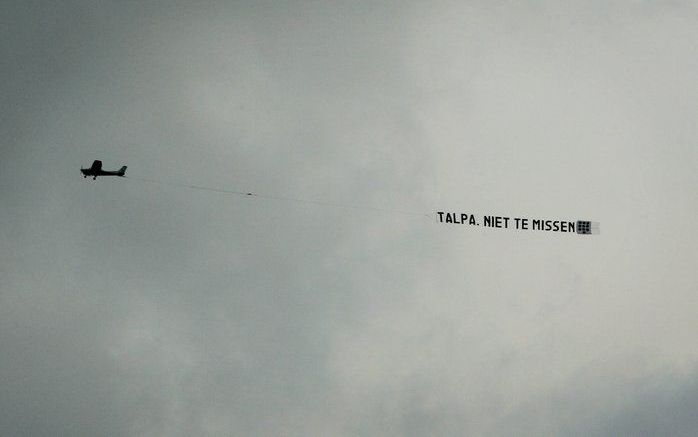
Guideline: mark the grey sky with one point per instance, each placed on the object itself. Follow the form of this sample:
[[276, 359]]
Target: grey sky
[[129, 308]]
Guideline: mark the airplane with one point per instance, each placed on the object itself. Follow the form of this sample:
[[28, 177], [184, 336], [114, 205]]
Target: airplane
[[96, 170]]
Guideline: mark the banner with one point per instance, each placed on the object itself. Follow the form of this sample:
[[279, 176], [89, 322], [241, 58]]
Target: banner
[[581, 227]]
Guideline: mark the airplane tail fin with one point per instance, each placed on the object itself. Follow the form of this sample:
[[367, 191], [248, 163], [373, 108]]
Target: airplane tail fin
[[122, 171]]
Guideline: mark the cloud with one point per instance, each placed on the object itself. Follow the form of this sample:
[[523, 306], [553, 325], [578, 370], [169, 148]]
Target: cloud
[[129, 308]]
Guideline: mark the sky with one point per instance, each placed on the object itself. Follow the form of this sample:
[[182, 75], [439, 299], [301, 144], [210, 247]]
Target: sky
[[131, 308]]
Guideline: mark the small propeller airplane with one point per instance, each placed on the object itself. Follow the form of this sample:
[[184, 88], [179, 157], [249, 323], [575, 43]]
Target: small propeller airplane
[[96, 170]]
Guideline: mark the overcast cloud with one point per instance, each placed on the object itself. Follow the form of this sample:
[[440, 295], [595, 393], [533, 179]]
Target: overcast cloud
[[137, 309]]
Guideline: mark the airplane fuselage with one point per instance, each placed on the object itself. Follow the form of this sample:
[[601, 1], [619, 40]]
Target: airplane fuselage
[[96, 170], [88, 172]]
